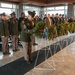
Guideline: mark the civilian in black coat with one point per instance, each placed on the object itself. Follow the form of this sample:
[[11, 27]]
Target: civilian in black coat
[[20, 20], [53, 19]]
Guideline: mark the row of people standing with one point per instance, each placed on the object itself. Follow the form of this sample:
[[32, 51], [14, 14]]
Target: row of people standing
[[52, 20], [9, 27], [55, 19]]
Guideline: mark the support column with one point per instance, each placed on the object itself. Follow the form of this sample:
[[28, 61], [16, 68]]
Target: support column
[[41, 12], [70, 10], [20, 10]]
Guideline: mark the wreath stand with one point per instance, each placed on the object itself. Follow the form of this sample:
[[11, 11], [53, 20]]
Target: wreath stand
[[70, 41], [47, 61], [56, 45]]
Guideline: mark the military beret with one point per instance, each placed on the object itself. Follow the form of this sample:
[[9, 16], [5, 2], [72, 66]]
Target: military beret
[[3, 14], [13, 13], [31, 13]]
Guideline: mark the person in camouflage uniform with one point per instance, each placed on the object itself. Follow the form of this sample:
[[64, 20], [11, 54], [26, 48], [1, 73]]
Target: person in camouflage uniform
[[14, 31], [25, 37], [4, 33]]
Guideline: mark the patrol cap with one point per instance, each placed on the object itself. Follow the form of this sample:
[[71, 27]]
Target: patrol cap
[[13, 13], [31, 13], [3, 14]]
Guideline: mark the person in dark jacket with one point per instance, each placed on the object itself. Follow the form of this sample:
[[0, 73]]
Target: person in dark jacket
[[20, 20], [53, 19], [60, 19], [4, 33], [56, 19], [45, 16], [14, 31]]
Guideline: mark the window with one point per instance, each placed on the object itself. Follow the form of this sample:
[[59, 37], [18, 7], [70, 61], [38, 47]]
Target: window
[[7, 11], [35, 9], [8, 8], [66, 7], [14, 6], [45, 9], [26, 7], [59, 8], [54, 12], [50, 8], [6, 5], [30, 8]]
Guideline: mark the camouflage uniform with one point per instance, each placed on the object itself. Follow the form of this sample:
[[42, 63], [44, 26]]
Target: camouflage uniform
[[4, 33], [14, 32]]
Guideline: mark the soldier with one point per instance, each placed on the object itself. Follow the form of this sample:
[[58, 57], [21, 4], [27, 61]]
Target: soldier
[[14, 31], [53, 19], [25, 37], [4, 33]]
